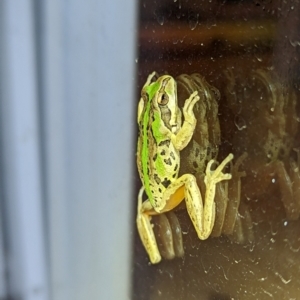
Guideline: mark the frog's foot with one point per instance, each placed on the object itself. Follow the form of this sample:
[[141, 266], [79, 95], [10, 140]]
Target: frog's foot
[[215, 176], [169, 235], [146, 231], [184, 135], [189, 106]]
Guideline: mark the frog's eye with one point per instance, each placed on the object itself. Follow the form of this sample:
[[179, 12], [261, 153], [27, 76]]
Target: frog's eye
[[163, 99]]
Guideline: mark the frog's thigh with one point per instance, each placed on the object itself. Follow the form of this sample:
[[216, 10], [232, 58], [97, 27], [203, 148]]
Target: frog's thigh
[[147, 236], [146, 231]]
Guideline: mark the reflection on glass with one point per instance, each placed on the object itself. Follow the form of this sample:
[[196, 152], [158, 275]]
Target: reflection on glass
[[242, 59]]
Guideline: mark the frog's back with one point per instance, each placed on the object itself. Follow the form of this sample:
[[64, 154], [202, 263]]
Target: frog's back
[[158, 162]]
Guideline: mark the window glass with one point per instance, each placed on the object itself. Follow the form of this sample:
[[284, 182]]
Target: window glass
[[246, 55]]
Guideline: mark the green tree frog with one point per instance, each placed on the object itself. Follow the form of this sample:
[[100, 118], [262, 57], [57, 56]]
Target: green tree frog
[[162, 136]]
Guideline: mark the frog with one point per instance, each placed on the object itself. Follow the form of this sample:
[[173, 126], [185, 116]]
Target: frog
[[232, 217], [266, 127], [162, 136]]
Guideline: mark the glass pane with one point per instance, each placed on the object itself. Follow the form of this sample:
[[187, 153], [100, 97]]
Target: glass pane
[[246, 57]]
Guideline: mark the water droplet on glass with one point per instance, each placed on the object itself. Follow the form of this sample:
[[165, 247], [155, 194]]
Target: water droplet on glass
[[285, 223], [262, 279], [273, 180], [136, 60], [294, 43], [239, 122], [252, 246], [189, 59], [160, 17], [193, 21], [178, 13], [259, 58]]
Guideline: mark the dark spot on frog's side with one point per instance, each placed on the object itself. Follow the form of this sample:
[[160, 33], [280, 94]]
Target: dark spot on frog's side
[[164, 143], [157, 179], [168, 161], [163, 152], [155, 157], [176, 167], [166, 182], [172, 155], [195, 165], [197, 152]]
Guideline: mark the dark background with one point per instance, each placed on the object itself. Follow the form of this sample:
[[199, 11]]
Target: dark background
[[208, 37]]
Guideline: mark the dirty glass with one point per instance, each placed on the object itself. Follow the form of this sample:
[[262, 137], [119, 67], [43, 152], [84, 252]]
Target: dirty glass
[[246, 57]]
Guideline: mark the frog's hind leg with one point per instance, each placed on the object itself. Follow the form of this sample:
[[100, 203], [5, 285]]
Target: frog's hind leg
[[201, 213], [146, 231]]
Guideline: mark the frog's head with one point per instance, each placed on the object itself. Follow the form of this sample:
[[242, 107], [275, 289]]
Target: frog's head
[[163, 96]]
